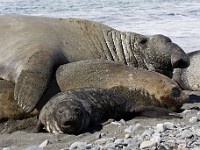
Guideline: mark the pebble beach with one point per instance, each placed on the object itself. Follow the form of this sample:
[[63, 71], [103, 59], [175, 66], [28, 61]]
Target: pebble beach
[[138, 133], [174, 18]]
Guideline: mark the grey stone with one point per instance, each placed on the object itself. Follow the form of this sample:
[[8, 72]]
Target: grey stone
[[160, 127], [193, 119], [45, 143], [129, 129], [147, 133], [78, 145], [118, 141], [146, 144], [34, 148], [104, 141], [110, 146], [169, 125]]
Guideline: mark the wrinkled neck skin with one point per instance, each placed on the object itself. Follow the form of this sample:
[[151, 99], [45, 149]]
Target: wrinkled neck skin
[[122, 48]]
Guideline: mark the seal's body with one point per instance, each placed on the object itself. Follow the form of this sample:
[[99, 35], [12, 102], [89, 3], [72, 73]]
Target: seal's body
[[33, 47], [74, 111], [143, 86]]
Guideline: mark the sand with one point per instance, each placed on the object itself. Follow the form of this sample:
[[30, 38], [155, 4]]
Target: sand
[[17, 134]]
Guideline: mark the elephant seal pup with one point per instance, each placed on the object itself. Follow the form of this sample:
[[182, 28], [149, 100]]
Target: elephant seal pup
[[33, 47], [9, 109], [156, 89], [74, 111], [189, 78]]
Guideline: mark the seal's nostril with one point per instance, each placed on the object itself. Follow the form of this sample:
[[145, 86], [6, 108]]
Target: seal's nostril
[[181, 63]]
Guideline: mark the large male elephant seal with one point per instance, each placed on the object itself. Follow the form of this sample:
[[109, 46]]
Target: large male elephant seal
[[74, 111], [143, 86], [32, 47], [189, 78]]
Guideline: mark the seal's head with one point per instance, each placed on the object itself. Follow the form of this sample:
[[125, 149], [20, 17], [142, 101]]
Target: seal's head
[[160, 54], [71, 117], [175, 99]]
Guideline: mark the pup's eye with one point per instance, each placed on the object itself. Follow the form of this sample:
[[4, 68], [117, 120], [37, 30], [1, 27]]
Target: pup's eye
[[77, 110], [60, 111]]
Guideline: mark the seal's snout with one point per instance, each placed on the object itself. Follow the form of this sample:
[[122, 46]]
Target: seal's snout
[[176, 92], [71, 117], [179, 58], [179, 96], [182, 62]]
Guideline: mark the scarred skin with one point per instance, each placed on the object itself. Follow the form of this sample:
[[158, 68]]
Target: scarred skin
[[33, 47], [75, 111], [145, 87]]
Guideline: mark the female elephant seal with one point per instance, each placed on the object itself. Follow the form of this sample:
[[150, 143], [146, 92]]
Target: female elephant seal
[[146, 87], [74, 111], [189, 78], [33, 47]]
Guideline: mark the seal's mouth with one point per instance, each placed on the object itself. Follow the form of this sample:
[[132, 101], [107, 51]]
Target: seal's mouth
[[165, 71], [175, 100], [71, 126], [179, 98]]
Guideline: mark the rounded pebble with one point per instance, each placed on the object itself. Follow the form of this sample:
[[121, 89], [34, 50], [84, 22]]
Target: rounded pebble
[[147, 133], [145, 144], [104, 140], [169, 125], [193, 119], [33, 148], [160, 127], [118, 141], [127, 136], [78, 145], [129, 129], [45, 143]]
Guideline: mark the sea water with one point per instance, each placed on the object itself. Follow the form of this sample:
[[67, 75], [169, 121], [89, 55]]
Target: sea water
[[178, 19]]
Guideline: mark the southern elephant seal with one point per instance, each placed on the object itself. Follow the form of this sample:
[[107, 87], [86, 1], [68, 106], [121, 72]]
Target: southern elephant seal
[[189, 78], [9, 109], [33, 47], [74, 111], [144, 87]]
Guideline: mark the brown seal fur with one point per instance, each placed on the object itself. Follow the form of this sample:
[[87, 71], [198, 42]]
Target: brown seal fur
[[151, 88], [9, 109], [33, 47], [75, 111]]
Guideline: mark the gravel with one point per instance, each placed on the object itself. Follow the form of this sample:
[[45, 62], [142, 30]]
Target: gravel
[[138, 133]]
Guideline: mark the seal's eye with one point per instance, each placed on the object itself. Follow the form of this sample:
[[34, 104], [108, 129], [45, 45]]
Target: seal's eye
[[143, 41], [77, 110], [60, 111]]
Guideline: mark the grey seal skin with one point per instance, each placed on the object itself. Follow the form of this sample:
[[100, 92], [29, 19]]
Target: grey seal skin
[[33, 47], [75, 111], [147, 87], [9, 109], [188, 78]]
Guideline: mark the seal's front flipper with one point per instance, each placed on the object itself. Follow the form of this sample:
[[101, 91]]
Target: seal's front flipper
[[155, 112], [39, 127], [33, 80]]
